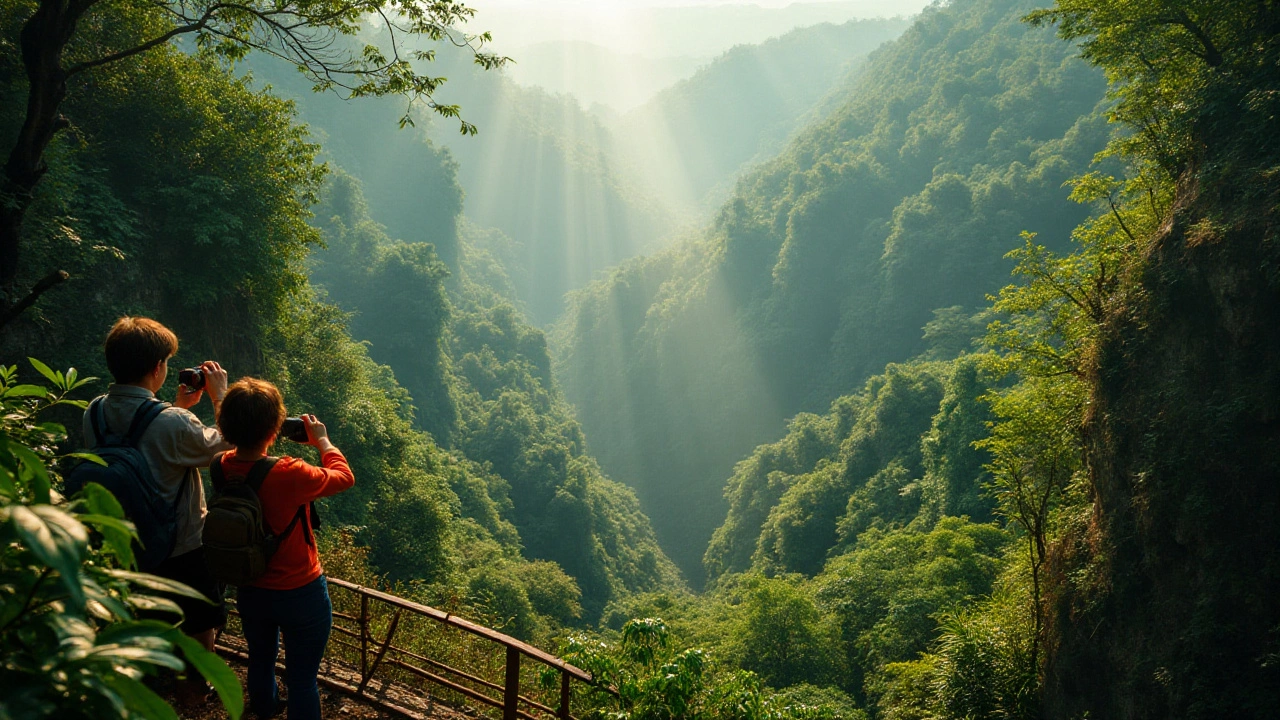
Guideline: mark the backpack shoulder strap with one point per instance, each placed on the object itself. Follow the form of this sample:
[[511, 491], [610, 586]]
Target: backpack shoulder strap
[[258, 473], [215, 472], [146, 414], [302, 513], [98, 420], [256, 477]]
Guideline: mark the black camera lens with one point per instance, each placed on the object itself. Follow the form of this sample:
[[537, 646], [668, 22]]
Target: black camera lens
[[192, 378]]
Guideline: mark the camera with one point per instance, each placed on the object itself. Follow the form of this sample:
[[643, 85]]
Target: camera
[[192, 378], [294, 429]]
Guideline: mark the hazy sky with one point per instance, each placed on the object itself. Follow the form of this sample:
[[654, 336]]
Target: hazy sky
[[658, 28], [646, 3]]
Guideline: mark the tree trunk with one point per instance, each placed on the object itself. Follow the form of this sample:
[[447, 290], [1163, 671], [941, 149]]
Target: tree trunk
[[43, 38]]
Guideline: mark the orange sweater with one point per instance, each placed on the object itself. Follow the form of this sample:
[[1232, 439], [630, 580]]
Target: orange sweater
[[291, 484]]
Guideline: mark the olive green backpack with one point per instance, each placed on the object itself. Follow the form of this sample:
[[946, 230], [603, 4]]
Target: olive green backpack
[[238, 542]]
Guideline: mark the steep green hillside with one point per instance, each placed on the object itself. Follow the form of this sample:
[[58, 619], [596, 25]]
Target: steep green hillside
[[851, 542], [901, 448], [1161, 601], [691, 140], [827, 261]]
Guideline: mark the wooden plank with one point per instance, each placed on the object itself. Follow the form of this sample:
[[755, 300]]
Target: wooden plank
[[471, 678], [344, 644], [344, 631], [364, 636], [455, 621]]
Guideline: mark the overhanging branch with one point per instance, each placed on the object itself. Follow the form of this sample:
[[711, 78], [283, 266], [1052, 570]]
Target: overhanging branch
[[180, 30]]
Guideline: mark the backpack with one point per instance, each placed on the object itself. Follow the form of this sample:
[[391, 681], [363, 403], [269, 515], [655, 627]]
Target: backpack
[[238, 543], [128, 476]]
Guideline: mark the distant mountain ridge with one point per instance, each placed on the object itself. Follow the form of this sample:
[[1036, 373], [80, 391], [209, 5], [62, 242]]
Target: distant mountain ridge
[[690, 142], [673, 30]]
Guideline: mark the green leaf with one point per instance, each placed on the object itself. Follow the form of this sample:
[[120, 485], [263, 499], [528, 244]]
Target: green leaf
[[124, 632], [214, 670], [7, 487], [82, 382], [139, 698], [95, 592], [155, 603], [89, 457], [100, 500], [52, 544], [116, 533], [26, 391], [33, 469], [80, 404], [131, 654], [44, 370]]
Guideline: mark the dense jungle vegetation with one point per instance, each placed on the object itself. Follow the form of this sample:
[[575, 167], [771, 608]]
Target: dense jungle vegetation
[[962, 405], [828, 260]]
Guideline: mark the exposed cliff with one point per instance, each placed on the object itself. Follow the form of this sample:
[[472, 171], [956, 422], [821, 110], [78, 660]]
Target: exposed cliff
[[1167, 594]]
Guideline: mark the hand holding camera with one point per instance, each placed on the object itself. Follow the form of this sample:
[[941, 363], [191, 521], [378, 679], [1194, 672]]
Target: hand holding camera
[[307, 430], [193, 381]]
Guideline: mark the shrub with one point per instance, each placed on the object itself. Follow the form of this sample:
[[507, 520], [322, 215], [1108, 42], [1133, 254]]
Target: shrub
[[70, 645]]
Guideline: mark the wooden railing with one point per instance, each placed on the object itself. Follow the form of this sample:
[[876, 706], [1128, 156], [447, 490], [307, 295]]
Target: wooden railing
[[384, 639]]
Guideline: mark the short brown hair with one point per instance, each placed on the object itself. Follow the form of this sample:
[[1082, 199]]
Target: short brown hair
[[135, 346], [251, 412]]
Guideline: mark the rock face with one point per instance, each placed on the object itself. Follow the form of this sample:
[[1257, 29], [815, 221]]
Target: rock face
[[1167, 598]]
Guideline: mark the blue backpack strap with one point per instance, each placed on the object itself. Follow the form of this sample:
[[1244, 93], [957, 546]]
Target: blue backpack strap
[[146, 414]]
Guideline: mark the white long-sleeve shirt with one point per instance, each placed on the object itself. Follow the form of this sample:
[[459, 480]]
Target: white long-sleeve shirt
[[176, 446]]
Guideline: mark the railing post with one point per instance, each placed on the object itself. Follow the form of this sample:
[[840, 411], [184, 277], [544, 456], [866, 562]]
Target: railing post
[[563, 712], [364, 635], [377, 658], [511, 692]]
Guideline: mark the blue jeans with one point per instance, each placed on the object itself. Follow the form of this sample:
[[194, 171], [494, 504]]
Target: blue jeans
[[304, 615]]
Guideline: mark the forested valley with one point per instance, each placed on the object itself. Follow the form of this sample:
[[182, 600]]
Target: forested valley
[[893, 364]]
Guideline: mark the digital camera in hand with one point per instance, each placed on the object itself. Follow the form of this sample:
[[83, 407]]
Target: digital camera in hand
[[294, 429], [192, 378]]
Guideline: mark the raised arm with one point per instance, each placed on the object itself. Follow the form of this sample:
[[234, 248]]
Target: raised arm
[[335, 474]]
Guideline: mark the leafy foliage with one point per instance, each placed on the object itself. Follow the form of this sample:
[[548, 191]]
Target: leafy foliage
[[901, 448], [71, 644], [652, 679]]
